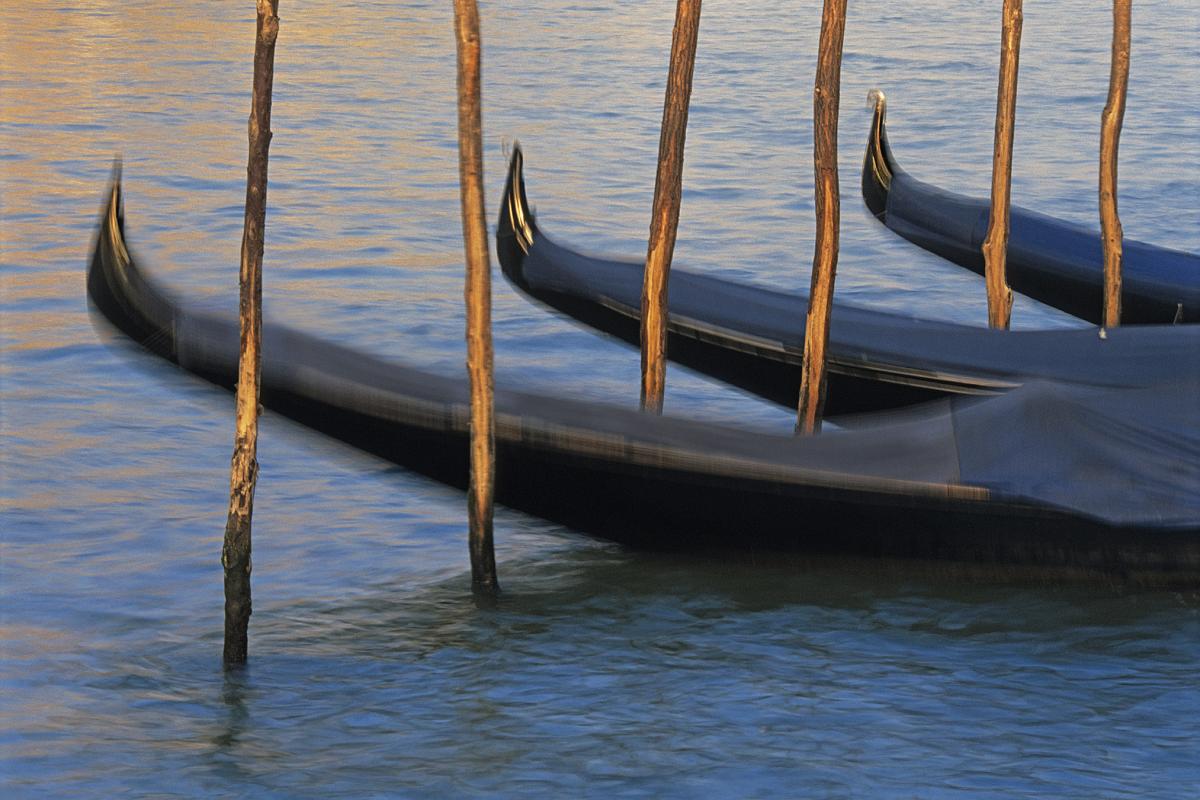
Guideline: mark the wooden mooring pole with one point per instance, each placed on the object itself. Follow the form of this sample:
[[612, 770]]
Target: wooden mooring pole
[[668, 188], [478, 295], [995, 244], [235, 553], [1110, 140], [826, 101]]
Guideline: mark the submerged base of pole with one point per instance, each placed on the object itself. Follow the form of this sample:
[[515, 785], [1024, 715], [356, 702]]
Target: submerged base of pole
[[235, 558]]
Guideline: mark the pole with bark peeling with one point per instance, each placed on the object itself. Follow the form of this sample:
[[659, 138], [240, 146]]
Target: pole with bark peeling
[[235, 553], [995, 244], [668, 188], [478, 295], [826, 100], [1110, 140]]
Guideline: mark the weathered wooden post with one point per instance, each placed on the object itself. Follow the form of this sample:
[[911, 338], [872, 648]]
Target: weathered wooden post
[[995, 244], [826, 100], [1110, 140], [668, 187], [478, 295], [235, 553]]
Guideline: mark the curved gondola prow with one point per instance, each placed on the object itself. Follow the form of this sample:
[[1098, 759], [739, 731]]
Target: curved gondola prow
[[118, 290], [516, 228], [878, 165]]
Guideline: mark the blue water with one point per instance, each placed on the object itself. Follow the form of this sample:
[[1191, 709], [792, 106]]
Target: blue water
[[602, 672]]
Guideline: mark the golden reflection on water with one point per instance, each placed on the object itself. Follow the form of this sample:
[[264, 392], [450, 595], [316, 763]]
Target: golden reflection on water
[[180, 119]]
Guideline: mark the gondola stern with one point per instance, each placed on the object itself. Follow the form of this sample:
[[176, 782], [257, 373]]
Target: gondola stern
[[879, 165], [515, 228]]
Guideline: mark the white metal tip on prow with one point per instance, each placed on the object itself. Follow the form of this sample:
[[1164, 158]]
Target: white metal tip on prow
[[876, 98]]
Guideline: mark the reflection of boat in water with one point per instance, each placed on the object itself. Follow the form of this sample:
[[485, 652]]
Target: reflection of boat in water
[[754, 338], [1055, 262], [1020, 479]]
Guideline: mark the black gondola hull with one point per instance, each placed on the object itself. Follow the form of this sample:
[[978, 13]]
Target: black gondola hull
[[658, 483], [1052, 261], [753, 338]]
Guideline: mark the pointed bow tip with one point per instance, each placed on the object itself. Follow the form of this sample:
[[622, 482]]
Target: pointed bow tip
[[114, 213], [110, 253], [877, 101], [516, 219], [878, 165]]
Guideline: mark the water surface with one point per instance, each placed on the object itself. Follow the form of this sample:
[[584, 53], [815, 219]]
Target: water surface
[[602, 672]]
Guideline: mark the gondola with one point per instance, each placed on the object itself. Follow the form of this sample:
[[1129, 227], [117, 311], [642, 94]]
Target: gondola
[[1055, 262], [933, 484], [753, 338]]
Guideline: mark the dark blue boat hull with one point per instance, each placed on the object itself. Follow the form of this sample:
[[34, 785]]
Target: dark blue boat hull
[[1052, 261]]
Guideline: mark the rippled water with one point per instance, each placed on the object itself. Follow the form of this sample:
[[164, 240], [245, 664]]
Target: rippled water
[[601, 672]]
